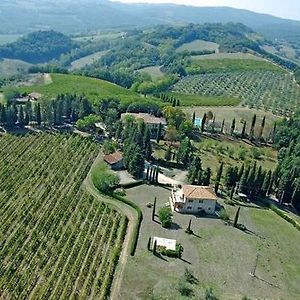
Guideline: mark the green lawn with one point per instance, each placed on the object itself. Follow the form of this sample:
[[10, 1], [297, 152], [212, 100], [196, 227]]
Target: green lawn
[[199, 45], [94, 89], [220, 256], [201, 100]]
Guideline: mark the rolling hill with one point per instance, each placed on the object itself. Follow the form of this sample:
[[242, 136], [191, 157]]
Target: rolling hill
[[66, 16]]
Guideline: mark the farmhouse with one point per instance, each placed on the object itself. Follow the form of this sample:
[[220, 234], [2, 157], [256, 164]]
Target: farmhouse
[[194, 199], [151, 121], [34, 96], [115, 160]]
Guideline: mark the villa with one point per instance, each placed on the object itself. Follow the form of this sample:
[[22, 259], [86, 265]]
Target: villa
[[194, 199]]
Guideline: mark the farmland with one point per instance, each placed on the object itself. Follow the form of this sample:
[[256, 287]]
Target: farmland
[[153, 71], [216, 65], [219, 256], [94, 89], [199, 45], [87, 60], [57, 241], [274, 91], [11, 67], [233, 56]]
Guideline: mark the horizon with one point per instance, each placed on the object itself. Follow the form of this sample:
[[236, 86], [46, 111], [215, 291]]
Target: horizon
[[276, 8]]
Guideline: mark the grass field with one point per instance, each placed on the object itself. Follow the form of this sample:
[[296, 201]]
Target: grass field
[[154, 72], [239, 113], [234, 56], [274, 91], [220, 256], [57, 241], [10, 67], [94, 89], [87, 60], [199, 100], [8, 38], [199, 45], [231, 65]]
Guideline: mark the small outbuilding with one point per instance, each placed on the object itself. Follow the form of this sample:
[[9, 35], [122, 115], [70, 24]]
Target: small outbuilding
[[115, 160], [169, 244]]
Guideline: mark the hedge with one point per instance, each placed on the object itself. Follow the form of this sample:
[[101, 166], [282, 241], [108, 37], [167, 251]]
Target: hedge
[[284, 216], [280, 213], [132, 184], [138, 225]]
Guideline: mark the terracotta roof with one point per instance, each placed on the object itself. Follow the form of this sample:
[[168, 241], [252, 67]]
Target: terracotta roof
[[113, 158], [148, 119], [199, 192]]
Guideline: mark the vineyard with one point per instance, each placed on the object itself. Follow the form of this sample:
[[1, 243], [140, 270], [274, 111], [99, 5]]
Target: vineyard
[[57, 241], [277, 92]]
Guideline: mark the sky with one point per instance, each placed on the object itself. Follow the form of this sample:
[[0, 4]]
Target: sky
[[289, 9]]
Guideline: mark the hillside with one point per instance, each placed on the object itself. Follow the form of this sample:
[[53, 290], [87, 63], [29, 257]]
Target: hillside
[[38, 47], [85, 15], [94, 89]]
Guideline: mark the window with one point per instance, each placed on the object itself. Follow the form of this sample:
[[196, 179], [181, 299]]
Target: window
[[190, 201], [209, 208], [200, 201], [189, 207]]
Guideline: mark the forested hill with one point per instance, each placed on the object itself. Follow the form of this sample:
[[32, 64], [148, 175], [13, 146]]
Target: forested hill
[[38, 47], [68, 16]]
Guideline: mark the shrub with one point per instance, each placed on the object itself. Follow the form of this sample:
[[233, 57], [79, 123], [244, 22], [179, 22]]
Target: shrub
[[209, 294], [184, 289], [103, 179], [189, 276], [177, 253], [165, 217], [224, 215]]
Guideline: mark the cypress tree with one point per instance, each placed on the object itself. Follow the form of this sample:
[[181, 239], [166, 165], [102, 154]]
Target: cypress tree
[[148, 173], [3, 115], [251, 180], [206, 177], [244, 129], [154, 248], [194, 118], [189, 230], [232, 127], [156, 174], [178, 102], [241, 172], [158, 133], [263, 123], [220, 171], [153, 210], [252, 128], [147, 144], [222, 127], [21, 119], [203, 122], [174, 102], [236, 218], [193, 170], [266, 183], [149, 244]]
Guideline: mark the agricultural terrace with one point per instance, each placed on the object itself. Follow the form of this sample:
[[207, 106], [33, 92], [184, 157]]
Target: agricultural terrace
[[56, 240], [94, 89], [232, 56], [199, 45], [219, 256], [274, 91]]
